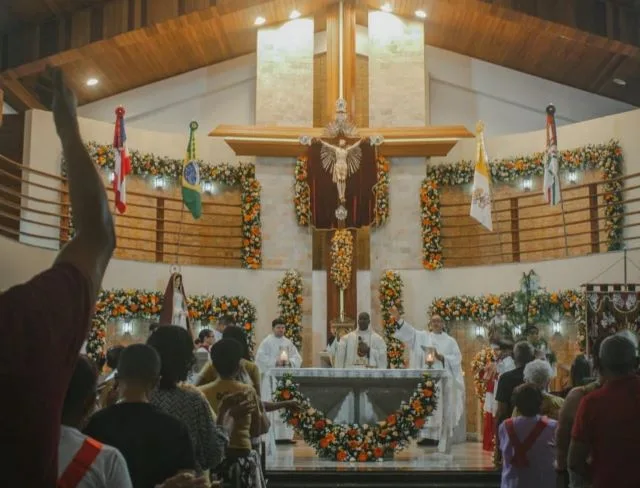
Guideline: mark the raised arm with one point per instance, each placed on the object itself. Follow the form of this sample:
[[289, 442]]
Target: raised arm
[[354, 145], [326, 144], [91, 248]]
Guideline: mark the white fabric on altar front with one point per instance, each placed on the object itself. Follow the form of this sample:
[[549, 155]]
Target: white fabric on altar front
[[347, 391], [450, 416]]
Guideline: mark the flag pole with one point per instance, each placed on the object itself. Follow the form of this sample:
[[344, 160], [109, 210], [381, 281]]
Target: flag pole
[[552, 145]]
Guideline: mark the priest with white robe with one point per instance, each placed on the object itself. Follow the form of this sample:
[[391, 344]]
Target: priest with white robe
[[277, 351], [446, 354], [362, 347]]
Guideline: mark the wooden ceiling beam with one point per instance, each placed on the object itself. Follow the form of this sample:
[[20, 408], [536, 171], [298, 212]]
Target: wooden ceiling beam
[[18, 96]]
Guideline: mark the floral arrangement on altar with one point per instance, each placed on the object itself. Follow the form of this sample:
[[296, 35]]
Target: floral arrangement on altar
[[242, 175], [143, 304], [607, 158], [302, 192], [390, 294], [352, 442], [290, 305], [341, 258], [481, 360]]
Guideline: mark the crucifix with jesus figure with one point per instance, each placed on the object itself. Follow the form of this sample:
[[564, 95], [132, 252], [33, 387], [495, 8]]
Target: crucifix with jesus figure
[[341, 158]]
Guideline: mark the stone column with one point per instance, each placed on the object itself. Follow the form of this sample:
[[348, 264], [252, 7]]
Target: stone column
[[284, 96], [397, 97]]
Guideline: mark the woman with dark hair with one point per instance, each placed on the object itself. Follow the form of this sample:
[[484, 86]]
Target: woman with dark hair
[[175, 347], [568, 415]]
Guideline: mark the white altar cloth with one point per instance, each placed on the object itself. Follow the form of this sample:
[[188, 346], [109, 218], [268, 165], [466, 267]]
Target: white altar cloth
[[361, 395]]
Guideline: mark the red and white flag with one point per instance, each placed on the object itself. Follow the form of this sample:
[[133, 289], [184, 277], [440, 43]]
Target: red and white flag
[[123, 162]]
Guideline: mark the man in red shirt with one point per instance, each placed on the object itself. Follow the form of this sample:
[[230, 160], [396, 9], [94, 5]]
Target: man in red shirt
[[607, 425], [55, 306]]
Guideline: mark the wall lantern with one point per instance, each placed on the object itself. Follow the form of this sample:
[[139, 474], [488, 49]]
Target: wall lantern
[[112, 177], [572, 176], [479, 332], [556, 328], [207, 187], [158, 182], [127, 327], [527, 183]]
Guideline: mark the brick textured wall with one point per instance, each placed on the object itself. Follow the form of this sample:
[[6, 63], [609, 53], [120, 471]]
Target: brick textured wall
[[284, 96]]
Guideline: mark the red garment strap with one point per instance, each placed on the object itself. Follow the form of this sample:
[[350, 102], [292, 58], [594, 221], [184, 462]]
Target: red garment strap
[[520, 450], [80, 464]]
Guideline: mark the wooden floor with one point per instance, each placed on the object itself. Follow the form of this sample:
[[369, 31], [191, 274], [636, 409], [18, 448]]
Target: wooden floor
[[464, 457]]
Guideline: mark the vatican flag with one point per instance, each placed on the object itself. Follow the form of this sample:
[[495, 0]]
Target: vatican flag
[[191, 191], [481, 194]]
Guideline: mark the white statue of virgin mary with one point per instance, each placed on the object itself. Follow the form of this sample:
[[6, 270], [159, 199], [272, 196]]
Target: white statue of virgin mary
[[174, 309]]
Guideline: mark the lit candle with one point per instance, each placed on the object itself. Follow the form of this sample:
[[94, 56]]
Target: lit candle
[[284, 357], [429, 360]]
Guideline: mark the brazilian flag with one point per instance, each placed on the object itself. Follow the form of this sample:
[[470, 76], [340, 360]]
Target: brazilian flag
[[191, 191]]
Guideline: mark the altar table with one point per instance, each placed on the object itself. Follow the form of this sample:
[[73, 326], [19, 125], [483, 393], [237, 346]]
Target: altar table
[[362, 396]]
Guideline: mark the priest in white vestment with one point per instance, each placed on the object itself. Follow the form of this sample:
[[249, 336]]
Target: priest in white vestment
[[446, 354], [276, 351], [361, 347]]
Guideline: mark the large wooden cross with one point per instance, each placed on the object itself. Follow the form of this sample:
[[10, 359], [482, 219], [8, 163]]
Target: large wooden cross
[[280, 141]]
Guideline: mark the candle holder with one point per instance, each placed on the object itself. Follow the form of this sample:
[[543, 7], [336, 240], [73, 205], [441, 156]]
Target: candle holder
[[429, 360]]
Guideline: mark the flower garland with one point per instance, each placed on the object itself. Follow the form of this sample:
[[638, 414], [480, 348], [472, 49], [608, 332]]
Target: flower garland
[[143, 304], [390, 294], [381, 189], [97, 338], [341, 258], [302, 192], [242, 175], [352, 442], [290, 305], [481, 360], [542, 305], [607, 158]]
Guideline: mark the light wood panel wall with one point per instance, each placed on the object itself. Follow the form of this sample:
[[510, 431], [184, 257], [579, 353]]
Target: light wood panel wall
[[529, 228], [157, 229]]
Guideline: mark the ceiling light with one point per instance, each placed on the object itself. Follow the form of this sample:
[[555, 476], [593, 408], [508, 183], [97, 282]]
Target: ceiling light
[[259, 21], [92, 82], [421, 14], [386, 7], [619, 82], [294, 15]]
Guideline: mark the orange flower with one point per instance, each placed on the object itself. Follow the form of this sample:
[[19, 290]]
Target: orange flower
[[247, 326], [319, 424], [427, 393], [286, 394], [341, 455], [391, 420], [362, 457], [419, 423], [234, 302], [378, 452], [294, 421]]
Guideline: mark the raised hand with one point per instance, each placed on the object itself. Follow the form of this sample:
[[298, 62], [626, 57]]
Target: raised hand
[[64, 103]]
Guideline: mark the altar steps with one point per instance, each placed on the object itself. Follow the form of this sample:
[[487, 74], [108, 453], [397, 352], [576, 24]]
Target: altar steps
[[383, 479]]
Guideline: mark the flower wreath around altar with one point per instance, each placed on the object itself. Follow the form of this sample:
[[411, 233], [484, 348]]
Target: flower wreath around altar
[[607, 158], [142, 304], [237, 175], [353, 442]]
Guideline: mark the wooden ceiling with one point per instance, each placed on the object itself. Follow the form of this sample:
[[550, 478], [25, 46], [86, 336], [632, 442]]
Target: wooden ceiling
[[130, 43]]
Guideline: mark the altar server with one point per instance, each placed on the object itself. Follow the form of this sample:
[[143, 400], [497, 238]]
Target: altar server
[[446, 354], [362, 347], [276, 351]]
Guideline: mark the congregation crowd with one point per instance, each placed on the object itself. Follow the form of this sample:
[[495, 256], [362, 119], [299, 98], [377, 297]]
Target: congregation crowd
[[586, 437]]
